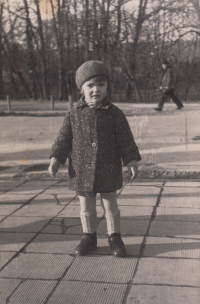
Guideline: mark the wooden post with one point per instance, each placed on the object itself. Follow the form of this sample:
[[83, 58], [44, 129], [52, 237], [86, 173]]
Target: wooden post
[[70, 102], [52, 102], [8, 103]]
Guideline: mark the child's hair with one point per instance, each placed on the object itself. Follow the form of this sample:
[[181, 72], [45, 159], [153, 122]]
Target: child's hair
[[91, 69]]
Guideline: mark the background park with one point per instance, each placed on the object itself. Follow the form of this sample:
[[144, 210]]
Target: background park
[[43, 42]]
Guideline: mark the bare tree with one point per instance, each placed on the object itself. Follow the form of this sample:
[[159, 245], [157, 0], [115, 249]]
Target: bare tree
[[42, 52], [58, 22], [1, 51]]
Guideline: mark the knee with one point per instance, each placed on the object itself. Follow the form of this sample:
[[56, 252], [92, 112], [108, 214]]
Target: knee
[[113, 210], [86, 213]]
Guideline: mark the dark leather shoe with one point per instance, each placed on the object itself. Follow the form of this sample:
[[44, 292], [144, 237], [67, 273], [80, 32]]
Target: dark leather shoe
[[116, 245], [179, 108], [87, 244], [158, 109]]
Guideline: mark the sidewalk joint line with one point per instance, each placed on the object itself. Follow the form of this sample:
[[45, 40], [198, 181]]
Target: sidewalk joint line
[[142, 247]]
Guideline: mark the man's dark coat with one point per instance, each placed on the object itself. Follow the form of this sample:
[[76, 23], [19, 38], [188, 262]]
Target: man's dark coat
[[95, 141]]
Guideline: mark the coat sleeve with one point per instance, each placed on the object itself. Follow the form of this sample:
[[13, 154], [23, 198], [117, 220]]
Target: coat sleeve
[[125, 141], [63, 143]]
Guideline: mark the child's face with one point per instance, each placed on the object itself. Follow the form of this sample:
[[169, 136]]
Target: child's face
[[94, 91]]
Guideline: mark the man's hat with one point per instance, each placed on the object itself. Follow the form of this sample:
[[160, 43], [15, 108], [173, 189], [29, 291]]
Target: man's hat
[[165, 61]]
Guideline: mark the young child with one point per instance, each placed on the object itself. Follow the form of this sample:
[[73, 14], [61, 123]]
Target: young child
[[95, 137]]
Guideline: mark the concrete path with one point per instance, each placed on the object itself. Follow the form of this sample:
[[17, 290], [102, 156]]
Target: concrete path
[[169, 141], [40, 227]]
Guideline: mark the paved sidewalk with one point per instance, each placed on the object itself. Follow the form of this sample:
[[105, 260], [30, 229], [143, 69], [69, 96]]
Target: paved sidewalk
[[40, 227], [160, 220]]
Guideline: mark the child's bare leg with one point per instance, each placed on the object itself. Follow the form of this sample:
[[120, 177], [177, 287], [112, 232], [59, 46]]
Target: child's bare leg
[[88, 216], [112, 214]]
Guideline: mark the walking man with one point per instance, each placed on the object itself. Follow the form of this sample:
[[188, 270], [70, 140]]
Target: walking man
[[167, 87]]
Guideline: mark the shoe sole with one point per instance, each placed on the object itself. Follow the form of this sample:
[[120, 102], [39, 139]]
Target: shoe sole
[[85, 253]]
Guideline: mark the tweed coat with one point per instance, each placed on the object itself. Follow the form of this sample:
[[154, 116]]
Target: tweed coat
[[95, 141], [167, 79]]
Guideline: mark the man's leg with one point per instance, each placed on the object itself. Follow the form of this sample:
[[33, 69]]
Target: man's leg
[[162, 101], [175, 99]]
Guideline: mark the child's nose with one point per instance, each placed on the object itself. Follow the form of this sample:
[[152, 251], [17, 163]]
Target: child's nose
[[96, 88]]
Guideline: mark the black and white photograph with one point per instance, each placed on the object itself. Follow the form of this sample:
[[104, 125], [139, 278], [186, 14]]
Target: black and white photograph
[[99, 151]]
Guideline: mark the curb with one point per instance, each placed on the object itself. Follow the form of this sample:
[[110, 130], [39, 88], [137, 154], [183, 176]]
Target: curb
[[35, 114], [142, 175]]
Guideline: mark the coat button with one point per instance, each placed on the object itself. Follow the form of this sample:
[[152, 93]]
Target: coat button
[[94, 145]]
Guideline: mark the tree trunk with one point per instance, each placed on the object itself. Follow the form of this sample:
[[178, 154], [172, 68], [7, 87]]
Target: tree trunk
[[42, 52], [1, 53]]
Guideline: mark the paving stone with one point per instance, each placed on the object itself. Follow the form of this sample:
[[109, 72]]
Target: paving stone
[[181, 202], [168, 271], [8, 209], [55, 199], [7, 286], [64, 226], [183, 184], [5, 257], [104, 269], [8, 185], [141, 183], [60, 190], [183, 191], [172, 247], [9, 198], [32, 292], [132, 245], [44, 199], [142, 212], [128, 226], [74, 211], [14, 241], [37, 266], [46, 210], [62, 183], [25, 190], [175, 228], [137, 201], [39, 184], [151, 294], [178, 214], [23, 224], [54, 243], [140, 191], [75, 201], [80, 293]]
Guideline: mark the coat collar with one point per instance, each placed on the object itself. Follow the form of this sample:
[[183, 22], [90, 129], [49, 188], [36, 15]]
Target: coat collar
[[105, 104]]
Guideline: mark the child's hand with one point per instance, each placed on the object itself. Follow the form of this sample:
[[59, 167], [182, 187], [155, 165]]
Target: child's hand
[[133, 169], [53, 167]]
